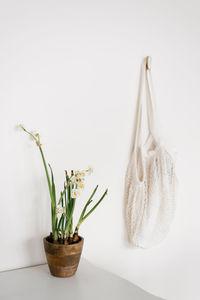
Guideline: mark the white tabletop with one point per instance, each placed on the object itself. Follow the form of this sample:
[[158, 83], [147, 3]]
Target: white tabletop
[[88, 283]]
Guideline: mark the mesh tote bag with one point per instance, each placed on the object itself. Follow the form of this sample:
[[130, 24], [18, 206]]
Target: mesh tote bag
[[150, 179]]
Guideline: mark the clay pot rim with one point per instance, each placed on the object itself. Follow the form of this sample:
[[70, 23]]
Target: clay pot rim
[[63, 245]]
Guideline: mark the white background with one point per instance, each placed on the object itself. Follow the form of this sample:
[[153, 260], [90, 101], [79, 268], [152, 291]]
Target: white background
[[70, 70]]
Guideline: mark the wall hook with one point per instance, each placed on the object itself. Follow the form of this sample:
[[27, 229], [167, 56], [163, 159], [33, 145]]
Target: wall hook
[[148, 62]]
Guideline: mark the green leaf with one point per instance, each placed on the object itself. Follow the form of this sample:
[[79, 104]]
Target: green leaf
[[53, 188], [61, 197], [46, 171], [86, 205], [60, 221], [95, 206]]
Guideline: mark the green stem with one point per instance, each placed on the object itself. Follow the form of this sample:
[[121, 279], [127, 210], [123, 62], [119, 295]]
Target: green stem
[[95, 206], [70, 217], [84, 209], [46, 171], [53, 205], [43, 159], [71, 228]]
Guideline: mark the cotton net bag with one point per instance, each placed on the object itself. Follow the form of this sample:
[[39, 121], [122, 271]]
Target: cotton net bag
[[150, 183]]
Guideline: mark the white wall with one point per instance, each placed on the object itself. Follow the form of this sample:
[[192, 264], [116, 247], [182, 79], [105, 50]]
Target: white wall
[[70, 70]]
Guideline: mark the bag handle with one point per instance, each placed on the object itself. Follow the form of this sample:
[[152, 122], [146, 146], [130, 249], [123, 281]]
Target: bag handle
[[145, 90], [152, 115]]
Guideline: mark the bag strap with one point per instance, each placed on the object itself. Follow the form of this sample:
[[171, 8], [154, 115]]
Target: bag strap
[[152, 115], [139, 112], [145, 90]]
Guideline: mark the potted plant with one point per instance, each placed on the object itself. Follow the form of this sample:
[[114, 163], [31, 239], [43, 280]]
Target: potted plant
[[63, 247]]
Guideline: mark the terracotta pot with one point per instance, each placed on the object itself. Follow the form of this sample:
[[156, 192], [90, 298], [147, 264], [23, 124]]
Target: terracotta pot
[[63, 259]]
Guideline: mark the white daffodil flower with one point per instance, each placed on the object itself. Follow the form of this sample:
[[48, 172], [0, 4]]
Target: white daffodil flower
[[90, 170], [74, 193], [73, 179], [59, 210], [77, 173], [21, 126], [82, 173], [80, 179], [80, 185]]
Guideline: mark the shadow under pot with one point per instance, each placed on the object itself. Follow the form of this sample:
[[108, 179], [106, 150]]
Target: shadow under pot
[[63, 259]]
